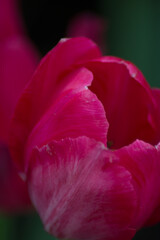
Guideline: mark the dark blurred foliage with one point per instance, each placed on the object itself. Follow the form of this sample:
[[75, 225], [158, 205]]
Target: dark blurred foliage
[[23, 227], [133, 34]]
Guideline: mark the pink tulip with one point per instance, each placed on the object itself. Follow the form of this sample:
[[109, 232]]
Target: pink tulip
[[88, 25], [76, 103], [18, 60]]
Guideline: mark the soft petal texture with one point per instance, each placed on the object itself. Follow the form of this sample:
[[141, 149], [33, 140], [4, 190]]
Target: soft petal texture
[[84, 191], [46, 85], [142, 160], [71, 116], [81, 191], [155, 217], [127, 99]]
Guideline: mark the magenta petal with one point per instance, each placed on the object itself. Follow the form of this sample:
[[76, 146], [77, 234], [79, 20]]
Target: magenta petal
[[75, 114], [127, 99], [84, 191], [143, 161], [155, 217], [44, 87], [81, 191]]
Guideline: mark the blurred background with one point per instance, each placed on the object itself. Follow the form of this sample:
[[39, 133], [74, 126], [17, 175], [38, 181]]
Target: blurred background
[[132, 27], [127, 29]]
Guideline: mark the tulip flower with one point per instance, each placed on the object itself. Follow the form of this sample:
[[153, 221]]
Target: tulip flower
[[85, 135], [18, 60]]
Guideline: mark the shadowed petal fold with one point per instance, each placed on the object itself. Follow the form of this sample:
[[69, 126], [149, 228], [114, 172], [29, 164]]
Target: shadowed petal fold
[[127, 99], [142, 160], [75, 114], [46, 84]]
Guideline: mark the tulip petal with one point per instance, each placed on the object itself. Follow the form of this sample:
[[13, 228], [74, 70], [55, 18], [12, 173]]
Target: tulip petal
[[81, 191], [127, 99], [142, 160], [46, 84], [155, 217], [75, 114]]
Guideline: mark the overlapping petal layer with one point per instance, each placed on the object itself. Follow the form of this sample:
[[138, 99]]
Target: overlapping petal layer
[[142, 160], [71, 116], [82, 189], [127, 99], [45, 87]]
